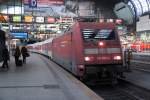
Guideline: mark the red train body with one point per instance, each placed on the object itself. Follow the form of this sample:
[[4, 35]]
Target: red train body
[[85, 49]]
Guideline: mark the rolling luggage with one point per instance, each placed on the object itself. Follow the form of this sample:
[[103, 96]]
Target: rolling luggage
[[19, 63]]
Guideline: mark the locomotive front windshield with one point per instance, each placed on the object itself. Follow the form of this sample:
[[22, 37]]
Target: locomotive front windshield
[[98, 34]]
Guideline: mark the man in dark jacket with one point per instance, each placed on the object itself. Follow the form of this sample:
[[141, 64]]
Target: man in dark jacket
[[2, 43], [24, 53], [5, 57], [2, 37], [17, 54]]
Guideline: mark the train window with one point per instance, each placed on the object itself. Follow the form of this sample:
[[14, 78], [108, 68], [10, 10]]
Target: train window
[[96, 34]]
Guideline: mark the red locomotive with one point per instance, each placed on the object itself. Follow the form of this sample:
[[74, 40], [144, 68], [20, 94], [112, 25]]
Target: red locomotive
[[87, 48]]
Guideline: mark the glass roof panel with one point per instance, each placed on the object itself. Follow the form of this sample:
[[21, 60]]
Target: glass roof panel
[[144, 5], [140, 5]]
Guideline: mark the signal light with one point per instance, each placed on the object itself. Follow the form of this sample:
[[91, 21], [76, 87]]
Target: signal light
[[119, 21], [117, 57]]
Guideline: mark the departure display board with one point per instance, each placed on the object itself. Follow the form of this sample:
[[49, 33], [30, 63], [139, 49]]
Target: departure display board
[[16, 18], [19, 35], [40, 19], [28, 19]]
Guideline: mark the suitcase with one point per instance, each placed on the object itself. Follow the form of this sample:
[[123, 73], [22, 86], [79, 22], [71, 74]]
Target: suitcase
[[19, 63]]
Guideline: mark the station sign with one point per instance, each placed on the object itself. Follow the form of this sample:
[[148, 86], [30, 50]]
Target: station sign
[[33, 3], [119, 27]]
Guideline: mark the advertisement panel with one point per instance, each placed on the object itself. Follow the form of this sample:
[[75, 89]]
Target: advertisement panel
[[16, 18], [6, 17], [28, 19], [50, 20], [40, 19]]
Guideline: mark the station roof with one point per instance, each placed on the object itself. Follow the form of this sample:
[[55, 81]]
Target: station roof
[[141, 6]]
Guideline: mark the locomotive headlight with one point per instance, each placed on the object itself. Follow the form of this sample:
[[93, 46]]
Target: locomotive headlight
[[117, 57], [81, 66], [87, 58], [100, 43]]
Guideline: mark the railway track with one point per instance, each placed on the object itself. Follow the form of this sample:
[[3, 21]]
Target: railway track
[[123, 91]]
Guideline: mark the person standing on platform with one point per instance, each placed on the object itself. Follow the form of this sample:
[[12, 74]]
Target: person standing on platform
[[17, 54], [5, 56], [2, 43], [24, 53], [129, 57], [2, 37]]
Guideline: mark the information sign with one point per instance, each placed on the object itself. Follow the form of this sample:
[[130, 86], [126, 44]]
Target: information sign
[[33, 3]]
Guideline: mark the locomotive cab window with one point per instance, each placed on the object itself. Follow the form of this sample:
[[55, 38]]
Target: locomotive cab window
[[96, 34]]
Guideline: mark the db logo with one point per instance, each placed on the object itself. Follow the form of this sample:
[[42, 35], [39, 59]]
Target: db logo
[[33, 3]]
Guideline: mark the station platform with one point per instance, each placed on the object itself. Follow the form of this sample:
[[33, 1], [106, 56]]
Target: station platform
[[141, 56], [41, 79], [142, 53], [139, 75], [139, 78]]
